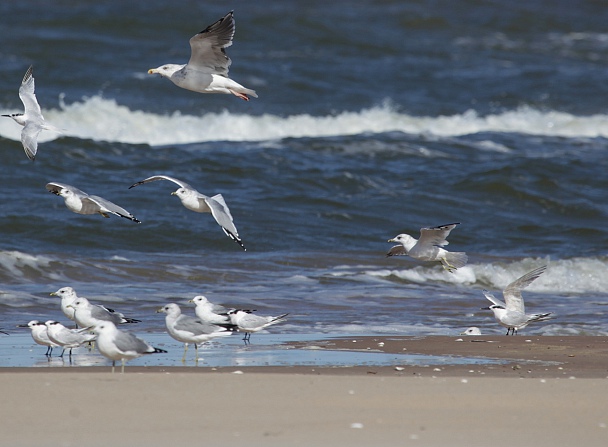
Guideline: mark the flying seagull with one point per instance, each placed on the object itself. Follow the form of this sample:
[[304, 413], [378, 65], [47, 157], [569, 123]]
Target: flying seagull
[[207, 69], [512, 313], [32, 120], [200, 203], [428, 247], [80, 202]]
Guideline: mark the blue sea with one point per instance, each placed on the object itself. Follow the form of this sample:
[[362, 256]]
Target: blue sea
[[374, 118]]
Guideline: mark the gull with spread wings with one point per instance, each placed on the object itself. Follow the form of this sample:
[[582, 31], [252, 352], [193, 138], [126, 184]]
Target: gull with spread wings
[[428, 247], [200, 203], [512, 313], [32, 120], [81, 203], [207, 69]]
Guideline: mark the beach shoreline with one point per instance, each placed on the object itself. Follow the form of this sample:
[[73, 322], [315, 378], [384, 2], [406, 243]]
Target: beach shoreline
[[452, 404]]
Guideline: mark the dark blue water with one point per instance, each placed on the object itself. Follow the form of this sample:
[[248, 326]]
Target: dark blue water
[[373, 119]]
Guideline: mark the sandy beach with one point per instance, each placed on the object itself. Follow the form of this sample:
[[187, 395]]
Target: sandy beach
[[516, 402]]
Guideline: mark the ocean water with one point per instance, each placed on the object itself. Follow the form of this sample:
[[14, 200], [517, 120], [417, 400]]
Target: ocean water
[[373, 119]]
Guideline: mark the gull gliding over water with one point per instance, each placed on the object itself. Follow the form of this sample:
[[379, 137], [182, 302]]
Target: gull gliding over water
[[81, 203], [512, 313], [207, 69], [428, 247], [200, 203], [32, 120], [118, 345]]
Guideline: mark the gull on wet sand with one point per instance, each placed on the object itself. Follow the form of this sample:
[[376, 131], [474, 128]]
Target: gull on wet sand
[[512, 313], [212, 313], [119, 345], [200, 203], [428, 247], [207, 69], [67, 338], [187, 329], [32, 120], [249, 323], [81, 203], [40, 335], [473, 330], [90, 315]]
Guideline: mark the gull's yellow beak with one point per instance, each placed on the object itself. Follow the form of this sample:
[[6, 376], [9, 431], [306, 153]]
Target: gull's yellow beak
[[391, 240], [151, 71], [53, 294], [160, 310]]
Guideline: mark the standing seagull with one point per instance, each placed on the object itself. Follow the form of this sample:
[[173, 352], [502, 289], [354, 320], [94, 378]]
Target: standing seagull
[[41, 336], [249, 323], [207, 69], [200, 203], [89, 315], [81, 203], [512, 315], [118, 345], [67, 338], [428, 247], [188, 329], [32, 120]]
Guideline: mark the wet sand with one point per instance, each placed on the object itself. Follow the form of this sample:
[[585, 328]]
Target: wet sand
[[512, 403]]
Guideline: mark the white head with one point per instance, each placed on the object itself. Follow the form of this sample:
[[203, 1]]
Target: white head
[[80, 303], [65, 292], [107, 327], [165, 70], [170, 309], [404, 239], [199, 300], [471, 331]]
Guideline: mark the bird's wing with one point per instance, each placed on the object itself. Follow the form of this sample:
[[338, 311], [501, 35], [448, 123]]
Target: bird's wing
[[512, 292], [100, 313], [162, 177], [27, 95], [106, 205], [436, 235], [127, 342], [397, 250], [56, 188], [221, 213], [29, 139], [193, 325], [207, 47], [493, 299]]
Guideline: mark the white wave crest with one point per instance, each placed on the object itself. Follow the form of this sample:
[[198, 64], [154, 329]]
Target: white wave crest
[[565, 276], [103, 119]]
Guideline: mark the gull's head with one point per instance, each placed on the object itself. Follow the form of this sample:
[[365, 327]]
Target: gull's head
[[105, 327], [181, 193], [51, 323], [79, 303], [471, 331], [200, 299], [165, 70], [170, 309], [31, 324], [402, 239], [64, 292]]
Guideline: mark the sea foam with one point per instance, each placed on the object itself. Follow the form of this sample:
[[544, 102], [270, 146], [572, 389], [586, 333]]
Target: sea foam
[[102, 119]]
